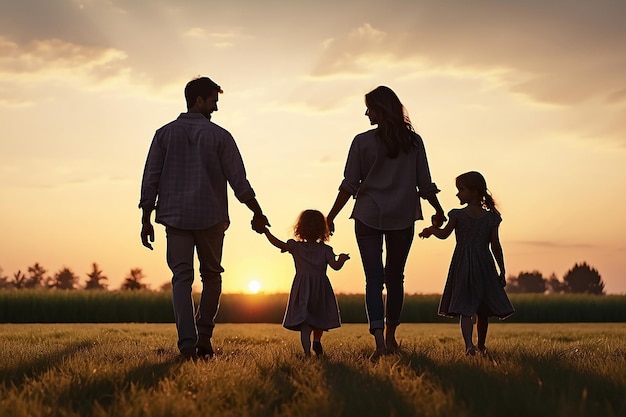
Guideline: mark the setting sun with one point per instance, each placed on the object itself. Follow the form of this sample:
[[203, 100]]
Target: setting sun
[[254, 287]]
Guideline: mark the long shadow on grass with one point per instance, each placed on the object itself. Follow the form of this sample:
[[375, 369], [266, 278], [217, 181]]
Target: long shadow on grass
[[83, 397], [542, 386], [82, 393], [19, 372], [364, 394]]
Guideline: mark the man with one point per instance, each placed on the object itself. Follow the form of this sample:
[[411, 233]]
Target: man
[[189, 164]]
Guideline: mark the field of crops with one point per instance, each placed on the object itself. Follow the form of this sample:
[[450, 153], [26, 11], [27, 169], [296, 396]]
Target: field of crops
[[133, 370], [32, 306]]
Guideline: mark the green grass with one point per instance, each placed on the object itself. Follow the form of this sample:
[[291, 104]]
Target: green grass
[[133, 370]]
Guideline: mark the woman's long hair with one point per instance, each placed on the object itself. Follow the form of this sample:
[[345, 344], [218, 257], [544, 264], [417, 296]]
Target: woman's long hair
[[394, 126]]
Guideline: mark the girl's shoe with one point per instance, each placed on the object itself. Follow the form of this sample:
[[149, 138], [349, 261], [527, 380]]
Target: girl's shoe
[[482, 350], [470, 351], [317, 348]]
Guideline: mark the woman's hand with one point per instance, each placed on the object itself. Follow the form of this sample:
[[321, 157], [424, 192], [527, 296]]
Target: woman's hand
[[331, 225], [438, 219]]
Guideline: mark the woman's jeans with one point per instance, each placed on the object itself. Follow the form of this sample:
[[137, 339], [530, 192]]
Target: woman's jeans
[[391, 274], [181, 245]]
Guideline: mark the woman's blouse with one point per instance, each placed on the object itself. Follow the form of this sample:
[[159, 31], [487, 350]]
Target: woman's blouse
[[386, 189]]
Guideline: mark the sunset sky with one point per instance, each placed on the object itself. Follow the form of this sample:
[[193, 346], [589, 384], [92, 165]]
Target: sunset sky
[[530, 93]]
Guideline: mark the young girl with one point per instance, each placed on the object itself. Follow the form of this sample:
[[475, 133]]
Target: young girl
[[473, 285], [312, 306]]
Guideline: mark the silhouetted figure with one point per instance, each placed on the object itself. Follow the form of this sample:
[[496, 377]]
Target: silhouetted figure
[[385, 169], [474, 286], [190, 162], [312, 306]]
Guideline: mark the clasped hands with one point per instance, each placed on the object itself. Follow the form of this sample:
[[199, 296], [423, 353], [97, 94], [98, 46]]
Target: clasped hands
[[259, 222], [437, 221]]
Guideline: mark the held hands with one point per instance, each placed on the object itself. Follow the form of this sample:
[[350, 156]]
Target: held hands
[[331, 225], [437, 221], [343, 257], [259, 223]]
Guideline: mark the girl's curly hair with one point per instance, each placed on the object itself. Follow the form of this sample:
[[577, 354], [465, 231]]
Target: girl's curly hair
[[311, 226]]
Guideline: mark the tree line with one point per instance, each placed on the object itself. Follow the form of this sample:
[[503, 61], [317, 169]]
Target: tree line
[[36, 277], [581, 279]]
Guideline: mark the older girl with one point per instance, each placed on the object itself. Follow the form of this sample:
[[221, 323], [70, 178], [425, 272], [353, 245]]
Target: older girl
[[474, 287]]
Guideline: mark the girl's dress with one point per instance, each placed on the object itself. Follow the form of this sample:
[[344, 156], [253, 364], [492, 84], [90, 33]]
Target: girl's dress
[[312, 299], [473, 284]]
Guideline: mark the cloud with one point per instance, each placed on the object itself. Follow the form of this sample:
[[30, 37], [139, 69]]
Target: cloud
[[551, 244], [566, 54], [54, 60], [219, 40], [562, 53]]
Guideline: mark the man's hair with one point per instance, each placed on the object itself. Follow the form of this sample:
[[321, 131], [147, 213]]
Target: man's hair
[[200, 87]]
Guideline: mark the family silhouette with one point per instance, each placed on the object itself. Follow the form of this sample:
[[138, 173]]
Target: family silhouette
[[192, 160]]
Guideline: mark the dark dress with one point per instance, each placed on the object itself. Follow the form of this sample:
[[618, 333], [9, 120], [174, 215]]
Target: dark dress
[[473, 282], [312, 299]]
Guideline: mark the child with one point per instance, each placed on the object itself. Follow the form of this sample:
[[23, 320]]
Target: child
[[312, 306], [473, 286]]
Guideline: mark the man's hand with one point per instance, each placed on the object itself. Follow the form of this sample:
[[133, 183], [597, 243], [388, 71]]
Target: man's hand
[[259, 223], [147, 235]]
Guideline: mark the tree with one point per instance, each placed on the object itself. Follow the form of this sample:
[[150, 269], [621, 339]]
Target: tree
[[133, 280], [554, 285], [36, 277], [64, 280], [583, 279], [19, 279], [532, 282], [4, 280], [166, 287], [95, 276]]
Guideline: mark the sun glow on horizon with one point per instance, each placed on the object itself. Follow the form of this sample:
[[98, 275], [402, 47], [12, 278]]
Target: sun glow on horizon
[[254, 287]]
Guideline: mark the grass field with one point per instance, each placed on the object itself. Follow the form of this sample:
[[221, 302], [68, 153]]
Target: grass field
[[133, 370]]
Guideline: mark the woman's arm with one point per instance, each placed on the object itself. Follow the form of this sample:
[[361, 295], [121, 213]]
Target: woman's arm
[[439, 218], [274, 240], [340, 202]]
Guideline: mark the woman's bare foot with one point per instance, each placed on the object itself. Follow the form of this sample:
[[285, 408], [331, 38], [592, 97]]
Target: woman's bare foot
[[390, 339], [380, 344]]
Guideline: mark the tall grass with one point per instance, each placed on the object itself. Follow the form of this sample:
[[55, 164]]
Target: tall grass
[[32, 306], [133, 370]]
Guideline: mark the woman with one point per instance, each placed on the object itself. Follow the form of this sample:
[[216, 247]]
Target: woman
[[386, 167]]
